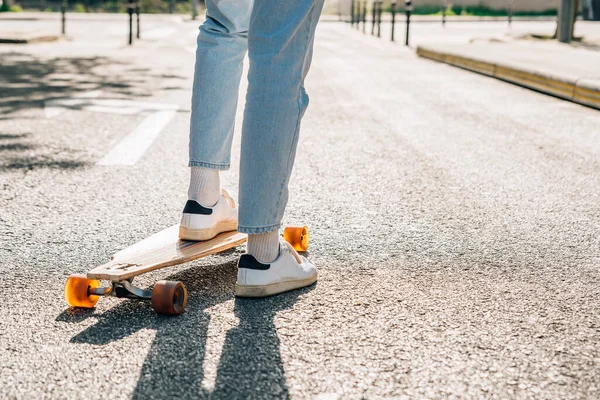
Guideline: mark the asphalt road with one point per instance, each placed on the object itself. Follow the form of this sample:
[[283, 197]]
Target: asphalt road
[[455, 220]]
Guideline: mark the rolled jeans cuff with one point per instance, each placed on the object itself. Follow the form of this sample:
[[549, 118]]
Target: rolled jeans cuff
[[218, 167], [258, 230]]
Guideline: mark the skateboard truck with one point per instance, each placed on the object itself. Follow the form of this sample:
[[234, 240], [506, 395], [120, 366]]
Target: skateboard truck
[[101, 291], [126, 289], [122, 289]]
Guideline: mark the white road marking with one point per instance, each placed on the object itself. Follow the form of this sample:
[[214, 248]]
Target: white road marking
[[52, 112], [111, 106], [52, 108], [133, 146], [89, 95]]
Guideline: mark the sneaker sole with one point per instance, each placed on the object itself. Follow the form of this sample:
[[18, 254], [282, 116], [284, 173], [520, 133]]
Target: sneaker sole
[[199, 235], [273, 288]]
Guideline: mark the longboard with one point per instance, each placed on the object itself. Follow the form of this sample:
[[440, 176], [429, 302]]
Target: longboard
[[161, 250]]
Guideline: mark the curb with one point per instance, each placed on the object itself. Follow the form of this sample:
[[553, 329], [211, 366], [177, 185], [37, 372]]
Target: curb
[[27, 40], [584, 91]]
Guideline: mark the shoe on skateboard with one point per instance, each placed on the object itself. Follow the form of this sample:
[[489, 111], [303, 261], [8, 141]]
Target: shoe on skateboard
[[204, 223], [288, 272]]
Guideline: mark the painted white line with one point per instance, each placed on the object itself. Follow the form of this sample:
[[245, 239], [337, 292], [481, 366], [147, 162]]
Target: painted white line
[[111, 106], [92, 94], [134, 145], [51, 112], [52, 108]]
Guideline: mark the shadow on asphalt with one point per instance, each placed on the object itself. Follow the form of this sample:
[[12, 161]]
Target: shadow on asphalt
[[19, 152], [27, 81], [250, 362]]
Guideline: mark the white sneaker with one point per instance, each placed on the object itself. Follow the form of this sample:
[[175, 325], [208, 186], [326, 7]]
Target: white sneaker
[[289, 271], [203, 223]]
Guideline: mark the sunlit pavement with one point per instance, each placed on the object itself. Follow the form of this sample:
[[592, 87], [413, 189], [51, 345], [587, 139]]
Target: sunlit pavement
[[455, 220]]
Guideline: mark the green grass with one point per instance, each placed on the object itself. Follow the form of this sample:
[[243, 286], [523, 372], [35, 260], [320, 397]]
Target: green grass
[[6, 8], [476, 11]]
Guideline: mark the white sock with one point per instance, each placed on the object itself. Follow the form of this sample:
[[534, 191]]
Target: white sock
[[205, 186], [264, 246]]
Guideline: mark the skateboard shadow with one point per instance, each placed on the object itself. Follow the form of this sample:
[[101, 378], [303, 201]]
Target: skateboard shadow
[[250, 363]]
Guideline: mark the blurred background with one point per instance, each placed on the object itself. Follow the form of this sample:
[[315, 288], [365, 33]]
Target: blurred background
[[587, 8]]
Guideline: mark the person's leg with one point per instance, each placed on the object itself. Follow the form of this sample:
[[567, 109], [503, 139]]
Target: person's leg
[[280, 42], [222, 45]]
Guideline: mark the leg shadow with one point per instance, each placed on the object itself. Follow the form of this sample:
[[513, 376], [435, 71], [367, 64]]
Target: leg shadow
[[173, 367], [250, 365]]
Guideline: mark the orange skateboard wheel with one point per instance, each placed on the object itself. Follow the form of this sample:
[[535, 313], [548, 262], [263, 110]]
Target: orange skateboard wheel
[[169, 297], [77, 291], [297, 236]]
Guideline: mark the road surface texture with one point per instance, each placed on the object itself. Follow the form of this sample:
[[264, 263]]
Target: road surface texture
[[455, 220]]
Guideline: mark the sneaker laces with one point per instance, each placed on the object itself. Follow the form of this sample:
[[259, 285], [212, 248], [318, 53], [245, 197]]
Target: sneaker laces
[[289, 248]]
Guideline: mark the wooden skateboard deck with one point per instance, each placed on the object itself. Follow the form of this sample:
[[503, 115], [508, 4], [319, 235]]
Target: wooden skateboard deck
[[161, 250]]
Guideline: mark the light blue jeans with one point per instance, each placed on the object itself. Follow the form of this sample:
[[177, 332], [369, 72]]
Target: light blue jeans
[[279, 36]]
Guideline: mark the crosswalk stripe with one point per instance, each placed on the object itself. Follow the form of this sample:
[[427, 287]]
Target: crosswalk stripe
[[132, 147]]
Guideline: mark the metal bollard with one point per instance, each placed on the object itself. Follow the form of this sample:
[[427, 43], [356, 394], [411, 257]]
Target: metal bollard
[[130, 12], [374, 16], [137, 13], [63, 11], [408, 7], [393, 18], [444, 6], [565, 21], [364, 16], [379, 10], [351, 12], [194, 9]]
